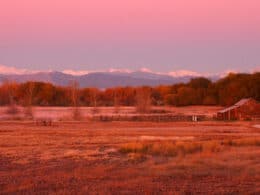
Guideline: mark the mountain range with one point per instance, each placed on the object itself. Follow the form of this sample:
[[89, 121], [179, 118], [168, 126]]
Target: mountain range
[[99, 79]]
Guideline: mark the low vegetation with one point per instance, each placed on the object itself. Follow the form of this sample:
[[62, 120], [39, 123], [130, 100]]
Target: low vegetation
[[166, 148], [242, 142], [83, 158], [173, 148]]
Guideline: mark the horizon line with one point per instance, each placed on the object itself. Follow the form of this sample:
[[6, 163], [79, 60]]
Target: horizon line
[[10, 70]]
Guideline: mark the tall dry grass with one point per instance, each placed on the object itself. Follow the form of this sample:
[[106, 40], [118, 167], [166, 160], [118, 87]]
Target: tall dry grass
[[182, 148], [162, 148], [242, 142]]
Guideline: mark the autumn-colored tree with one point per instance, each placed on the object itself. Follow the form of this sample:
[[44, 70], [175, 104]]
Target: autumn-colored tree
[[10, 91], [116, 102], [199, 91], [94, 94], [29, 100], [143, 100], [74, 95]]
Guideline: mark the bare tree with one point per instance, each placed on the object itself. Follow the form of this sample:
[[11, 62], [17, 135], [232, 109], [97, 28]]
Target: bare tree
[[29, 100], [74, 96], [116, 102], [94, 100], [143, 100], [11, 89]]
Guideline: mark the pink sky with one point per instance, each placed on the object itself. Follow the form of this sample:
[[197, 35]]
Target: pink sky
[[106, 27]]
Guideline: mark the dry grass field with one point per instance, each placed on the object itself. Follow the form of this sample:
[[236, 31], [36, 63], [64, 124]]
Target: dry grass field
[[130, 158], [65, 113]]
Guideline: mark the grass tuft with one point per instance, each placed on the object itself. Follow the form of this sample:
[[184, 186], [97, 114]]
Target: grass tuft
[[175, 148], [242, 142], [161, 148]]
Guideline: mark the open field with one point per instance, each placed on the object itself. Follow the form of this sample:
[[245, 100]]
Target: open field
[[65, 113], [130, 158]]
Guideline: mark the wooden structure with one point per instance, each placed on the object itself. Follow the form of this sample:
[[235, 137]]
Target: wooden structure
[[245, 109], [44, 122], [151, 117]]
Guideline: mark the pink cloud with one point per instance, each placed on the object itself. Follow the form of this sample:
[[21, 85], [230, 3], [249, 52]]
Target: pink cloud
[[181, 73], [119, 70], [12, 70], [256, 69], [76, 72], [146, 70]]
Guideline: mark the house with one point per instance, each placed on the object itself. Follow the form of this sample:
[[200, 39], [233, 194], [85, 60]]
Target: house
[[245, 109]]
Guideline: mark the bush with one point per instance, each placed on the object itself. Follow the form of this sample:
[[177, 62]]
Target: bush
[[12, 110], [242, 142], [162, 148], [175, 148]]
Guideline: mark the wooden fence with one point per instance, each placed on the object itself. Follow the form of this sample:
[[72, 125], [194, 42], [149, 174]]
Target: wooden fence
[[150, 117]]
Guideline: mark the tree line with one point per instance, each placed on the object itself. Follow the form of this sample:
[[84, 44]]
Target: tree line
[[199, 91]]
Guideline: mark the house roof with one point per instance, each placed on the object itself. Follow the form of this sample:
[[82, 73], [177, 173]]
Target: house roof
[[242, 101], [236, 105], [228, 109]]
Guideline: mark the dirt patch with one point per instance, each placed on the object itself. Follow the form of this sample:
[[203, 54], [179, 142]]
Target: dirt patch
[[257, 126], [165, 138]]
